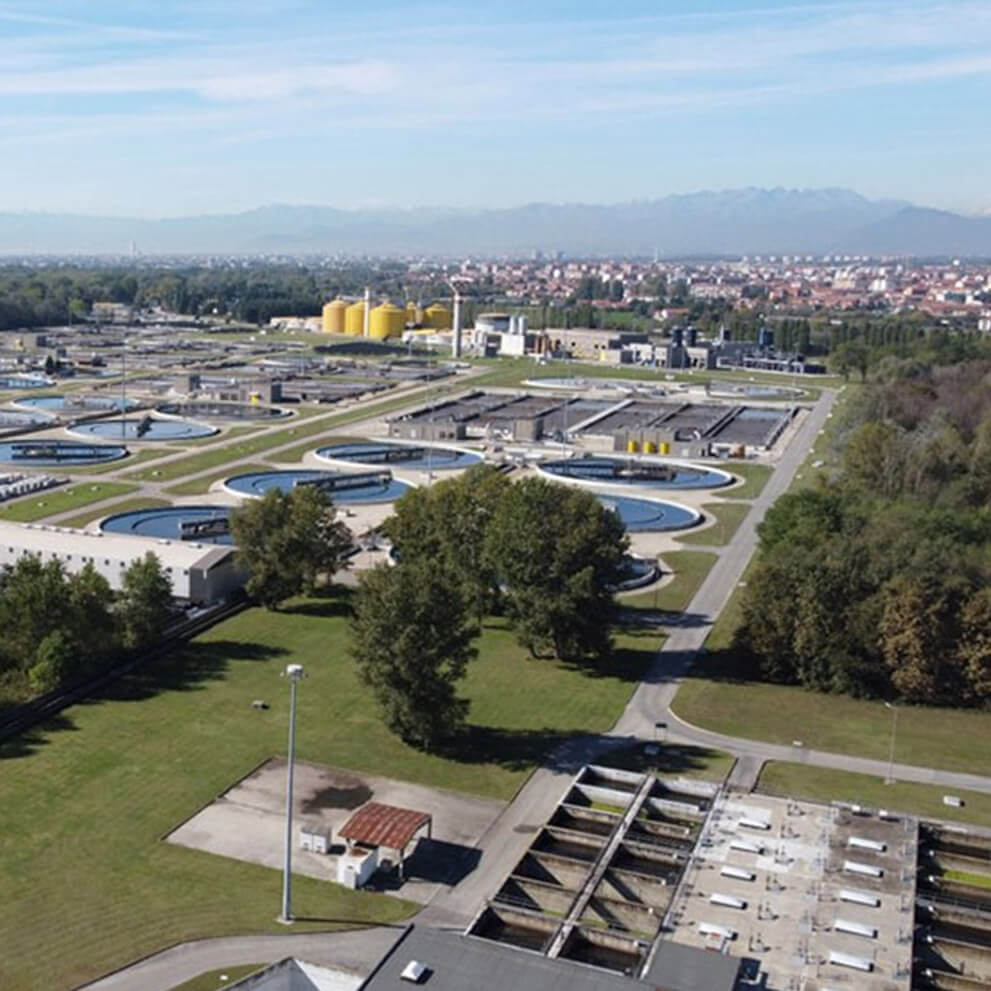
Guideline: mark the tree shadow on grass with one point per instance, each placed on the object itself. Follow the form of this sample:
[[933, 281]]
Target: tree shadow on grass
[[514, 750], [185, 669], [32, 740], [322, 608]]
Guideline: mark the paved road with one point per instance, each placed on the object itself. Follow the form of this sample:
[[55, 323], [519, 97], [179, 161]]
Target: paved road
[[355, 951]]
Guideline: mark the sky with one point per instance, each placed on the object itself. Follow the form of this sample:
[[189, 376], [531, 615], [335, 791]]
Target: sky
[[177, 107]]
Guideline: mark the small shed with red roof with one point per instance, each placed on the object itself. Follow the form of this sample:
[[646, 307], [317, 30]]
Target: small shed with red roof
[[388, 827]]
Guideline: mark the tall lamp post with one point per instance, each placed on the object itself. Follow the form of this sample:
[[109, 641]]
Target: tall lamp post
[[890, 779], [295, 674]]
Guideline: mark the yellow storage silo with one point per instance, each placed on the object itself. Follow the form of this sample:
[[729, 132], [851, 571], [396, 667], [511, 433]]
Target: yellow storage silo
[[386, 321], [437, 316], [632, 446], [333, 316], [354, 319], [649, 447], [412, 312]]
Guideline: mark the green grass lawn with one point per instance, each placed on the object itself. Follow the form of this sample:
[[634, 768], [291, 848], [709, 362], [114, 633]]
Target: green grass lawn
[[690, 569], [231, 433], [727, 515], [124, 464], [201, 485], [211, 980], [754, 479], [124, 506], [88, 882], [824, 785], [821, 453], [927, 736], [51, 502]]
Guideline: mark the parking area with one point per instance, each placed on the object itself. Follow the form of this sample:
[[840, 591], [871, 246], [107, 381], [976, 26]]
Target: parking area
[[248, 823]]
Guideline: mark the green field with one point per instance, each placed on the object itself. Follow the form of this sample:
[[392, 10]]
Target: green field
[[124, 506], [140, 457], [88, 882], [690, 569], [754, 479], [825, 785], [727, 516], [51, 502], [926, 737]]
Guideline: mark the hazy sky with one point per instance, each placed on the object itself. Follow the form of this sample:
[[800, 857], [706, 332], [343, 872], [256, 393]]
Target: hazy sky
[[187, 106]]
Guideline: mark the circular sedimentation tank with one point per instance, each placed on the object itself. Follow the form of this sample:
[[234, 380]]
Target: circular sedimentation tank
[[417, 457], [386, 321], [77, 404], [25, 382], [194, 524], [334, 316], [205, 409], [354, 319], [641, 472], [144, 429], [345, 488], [12, 419], [650, 515], [58, 453]]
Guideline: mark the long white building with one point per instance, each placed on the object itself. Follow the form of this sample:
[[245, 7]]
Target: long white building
[[201, 573]]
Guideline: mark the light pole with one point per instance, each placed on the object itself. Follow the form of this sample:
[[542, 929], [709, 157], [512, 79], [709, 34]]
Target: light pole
[[890, 779], [295, 674]]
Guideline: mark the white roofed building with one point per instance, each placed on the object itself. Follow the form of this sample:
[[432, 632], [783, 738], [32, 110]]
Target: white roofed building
[[200, 572]]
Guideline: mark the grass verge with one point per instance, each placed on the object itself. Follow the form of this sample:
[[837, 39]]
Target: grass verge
[[727, 516], [124, 506], [88, 797], [51, 502], [690, 569], [825, 784], [754, 479], [927, 736], [124, 464]]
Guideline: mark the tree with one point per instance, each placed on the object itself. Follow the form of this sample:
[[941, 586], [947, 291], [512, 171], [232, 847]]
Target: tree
[[288, 542], [54, 661], [975, 644], [34, 599], [558, 551], [412, 644], [92, 623], [144, 605], [447, 525]]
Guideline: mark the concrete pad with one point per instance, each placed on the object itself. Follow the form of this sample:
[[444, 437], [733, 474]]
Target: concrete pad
[[248, 823]]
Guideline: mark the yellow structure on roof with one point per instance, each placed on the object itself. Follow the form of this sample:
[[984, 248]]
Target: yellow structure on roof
[[354, 319], [333, 316], [386, 321]]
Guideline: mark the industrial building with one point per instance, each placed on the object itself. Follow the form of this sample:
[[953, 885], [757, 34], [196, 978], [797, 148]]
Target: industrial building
[[200, 573], [631, 425]]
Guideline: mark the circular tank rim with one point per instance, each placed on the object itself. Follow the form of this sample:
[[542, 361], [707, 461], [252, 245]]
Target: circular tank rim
[[377, 464], [612, 484], [158, 511], [24, 403], [696, 516], [78, 429], [240, 494], [282, 414], [121, 448]]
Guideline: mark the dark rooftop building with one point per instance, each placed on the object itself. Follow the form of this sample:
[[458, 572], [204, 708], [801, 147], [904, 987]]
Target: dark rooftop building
[[447, 961]]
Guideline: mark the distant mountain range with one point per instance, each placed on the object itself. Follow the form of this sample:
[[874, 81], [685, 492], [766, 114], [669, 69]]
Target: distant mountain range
[[734, 222]]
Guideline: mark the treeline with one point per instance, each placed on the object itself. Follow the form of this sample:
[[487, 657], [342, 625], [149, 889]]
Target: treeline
[[58, 628], [546, 556], [879, 583]]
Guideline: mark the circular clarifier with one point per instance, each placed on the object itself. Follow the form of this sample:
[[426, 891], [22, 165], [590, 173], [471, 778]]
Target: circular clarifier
[[650, 515], [73, 405], [344, 488], [204, 409], [420, 457], [58, 453], [198, 524], [644, 473], [144, 428]]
